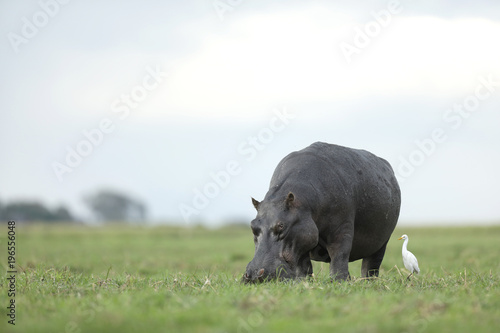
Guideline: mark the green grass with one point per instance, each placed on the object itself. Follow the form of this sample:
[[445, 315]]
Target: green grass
[[131, 279]]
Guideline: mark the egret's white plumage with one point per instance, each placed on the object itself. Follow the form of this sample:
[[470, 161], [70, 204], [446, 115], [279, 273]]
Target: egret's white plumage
[[409, 259]]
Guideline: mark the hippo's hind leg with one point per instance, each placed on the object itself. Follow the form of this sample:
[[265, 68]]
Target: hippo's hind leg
[[371, 265]]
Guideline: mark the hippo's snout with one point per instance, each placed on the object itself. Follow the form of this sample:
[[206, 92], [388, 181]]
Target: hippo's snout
[[253, 276]]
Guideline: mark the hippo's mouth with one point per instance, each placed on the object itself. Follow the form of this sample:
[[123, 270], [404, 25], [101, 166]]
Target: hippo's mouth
[[258, 276]]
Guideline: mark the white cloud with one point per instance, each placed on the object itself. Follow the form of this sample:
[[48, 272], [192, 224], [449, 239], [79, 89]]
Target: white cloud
[[293, 57]]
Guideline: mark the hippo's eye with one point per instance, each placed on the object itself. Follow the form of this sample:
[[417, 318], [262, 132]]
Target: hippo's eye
[[256, 232], [278, 228]]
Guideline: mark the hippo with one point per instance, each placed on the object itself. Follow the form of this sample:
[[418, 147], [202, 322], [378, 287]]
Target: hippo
[[326, 203]]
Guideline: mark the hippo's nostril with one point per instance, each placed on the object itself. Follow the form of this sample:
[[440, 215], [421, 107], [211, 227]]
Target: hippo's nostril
[[260, 272]]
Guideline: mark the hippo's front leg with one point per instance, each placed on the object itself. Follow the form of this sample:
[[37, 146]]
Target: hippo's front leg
[[339, 249]]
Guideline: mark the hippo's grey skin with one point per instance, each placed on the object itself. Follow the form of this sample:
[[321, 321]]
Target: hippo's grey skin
[[327, 203]]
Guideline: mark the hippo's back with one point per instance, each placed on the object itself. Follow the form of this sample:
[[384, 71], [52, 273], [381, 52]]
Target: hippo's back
[[344, 183]]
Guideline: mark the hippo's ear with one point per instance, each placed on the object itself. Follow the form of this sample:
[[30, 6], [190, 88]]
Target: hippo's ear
[[255, 203], [290, 200]]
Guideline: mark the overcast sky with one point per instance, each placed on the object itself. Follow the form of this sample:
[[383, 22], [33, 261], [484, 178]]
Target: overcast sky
[[190, 105]]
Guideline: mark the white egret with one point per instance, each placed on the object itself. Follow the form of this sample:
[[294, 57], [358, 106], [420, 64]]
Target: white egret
[[409, 259]]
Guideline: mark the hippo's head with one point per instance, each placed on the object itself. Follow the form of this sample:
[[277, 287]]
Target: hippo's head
[[284, 233]]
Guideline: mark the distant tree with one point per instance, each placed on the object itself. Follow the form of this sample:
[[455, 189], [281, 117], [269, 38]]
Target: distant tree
[[108, 205], [63, 214], [33, 211]]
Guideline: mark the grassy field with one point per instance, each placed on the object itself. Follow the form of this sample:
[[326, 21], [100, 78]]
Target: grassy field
[[165, 279]]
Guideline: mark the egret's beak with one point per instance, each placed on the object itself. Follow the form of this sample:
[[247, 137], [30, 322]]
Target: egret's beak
[[400, 238]]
